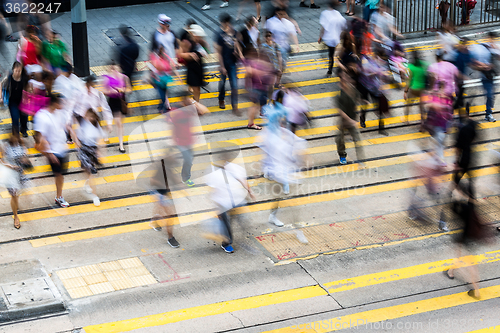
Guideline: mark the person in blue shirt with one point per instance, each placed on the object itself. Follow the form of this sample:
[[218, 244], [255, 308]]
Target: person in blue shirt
[[462, 61]]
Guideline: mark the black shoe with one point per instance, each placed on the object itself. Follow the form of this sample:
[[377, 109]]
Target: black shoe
[[362, 121], [329, 73], [314, 6], [10, 38], [25, 135], [302, 4], [173, 242]]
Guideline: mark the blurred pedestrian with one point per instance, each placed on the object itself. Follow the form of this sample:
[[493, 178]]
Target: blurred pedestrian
[[15, 156], [95, 100], [192, 52], [51, 125], [272, 51], [415, 86], [164, 36], [249, 36], [228, 182], [183, 123], [89, 135], [29, 49], [371, 6], [229, 52], [484, 56], [298, 108], [128, 53], [448, 41], [332, 25], [54, 53], [347, 103], [13, 86], [463, 61], [162, 68], [262, 76], [116, 86], [443, 72]]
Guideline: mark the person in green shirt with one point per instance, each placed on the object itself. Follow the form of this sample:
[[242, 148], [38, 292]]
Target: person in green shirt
[[415, 85], [54, 52], [371, 6]]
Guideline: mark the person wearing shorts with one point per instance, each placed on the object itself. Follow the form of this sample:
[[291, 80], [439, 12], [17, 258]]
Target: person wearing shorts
[[50, 125]]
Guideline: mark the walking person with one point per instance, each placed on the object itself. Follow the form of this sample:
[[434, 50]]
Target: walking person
[[415, 86], [193, 53], [164, 36], [128, 53], [13, 86], [272, 51], [89, 135], [229, 185], [332, 26], [443, 73], [371, 6], [15, 156], [347, 102], [116, 86], [51, 125], [162, 67], [54, 53], [229, 52], [484, 56], [462, 61], [95, 100]]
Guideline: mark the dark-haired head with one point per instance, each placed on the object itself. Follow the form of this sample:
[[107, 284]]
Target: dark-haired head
[[190, 22], [225, 18], [279, 96], [55, 99]]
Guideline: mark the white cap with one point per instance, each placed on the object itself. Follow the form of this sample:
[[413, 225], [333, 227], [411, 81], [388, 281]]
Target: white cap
[[164, 19], [196, 30]]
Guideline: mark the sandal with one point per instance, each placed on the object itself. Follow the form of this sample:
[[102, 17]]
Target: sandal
[[448, 275], [17, 224], [255, 127]]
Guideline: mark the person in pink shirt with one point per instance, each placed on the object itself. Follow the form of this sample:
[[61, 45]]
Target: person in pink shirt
[[445, 72]]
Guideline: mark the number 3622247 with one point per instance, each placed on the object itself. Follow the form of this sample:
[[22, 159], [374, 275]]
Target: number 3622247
[[32, 8]]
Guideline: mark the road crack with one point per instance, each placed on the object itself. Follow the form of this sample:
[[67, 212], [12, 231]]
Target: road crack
[[319, 284]]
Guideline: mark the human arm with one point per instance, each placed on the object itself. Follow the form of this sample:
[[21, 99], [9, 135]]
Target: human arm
[[222, 69], [321, 33]]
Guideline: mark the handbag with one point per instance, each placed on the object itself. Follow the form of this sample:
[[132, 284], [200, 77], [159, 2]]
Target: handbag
[[125, 108], [32, 103]]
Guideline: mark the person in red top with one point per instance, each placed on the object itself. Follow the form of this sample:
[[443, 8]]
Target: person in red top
[[30, 47], [183, 121]]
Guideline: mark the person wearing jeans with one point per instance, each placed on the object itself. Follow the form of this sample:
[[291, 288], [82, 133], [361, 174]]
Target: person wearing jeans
[[228, 51], [332, 25]]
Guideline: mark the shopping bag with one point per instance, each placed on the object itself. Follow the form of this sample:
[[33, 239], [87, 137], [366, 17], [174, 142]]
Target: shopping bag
[[32, 103]]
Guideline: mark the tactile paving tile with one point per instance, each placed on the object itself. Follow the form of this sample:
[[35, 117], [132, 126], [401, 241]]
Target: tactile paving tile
[[105, 277], [373, 230]]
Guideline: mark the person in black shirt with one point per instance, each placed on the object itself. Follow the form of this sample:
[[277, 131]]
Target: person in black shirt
[[465, 137], [129, 52], [14, 85]]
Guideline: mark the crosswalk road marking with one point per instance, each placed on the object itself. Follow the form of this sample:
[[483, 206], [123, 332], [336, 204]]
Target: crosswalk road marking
[[303, 293]]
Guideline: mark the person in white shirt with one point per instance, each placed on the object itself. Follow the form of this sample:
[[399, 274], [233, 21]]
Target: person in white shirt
[[384, 26], [332, 25], [89, 135], [95, 100], [50, 127], [70, 87], [284, 32], [166, 37], [229, 185]]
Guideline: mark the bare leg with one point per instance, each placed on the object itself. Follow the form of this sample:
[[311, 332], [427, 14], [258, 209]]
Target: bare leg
[[119, 129], [196, 93], [170, 221], [258, 7], [14, 204], [59, 184], [252, 112], [91, 182]]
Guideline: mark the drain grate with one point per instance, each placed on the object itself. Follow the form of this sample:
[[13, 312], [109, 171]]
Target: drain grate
[[116, 37]]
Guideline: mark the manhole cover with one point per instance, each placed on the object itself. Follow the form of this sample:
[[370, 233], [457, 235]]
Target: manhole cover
[[30, 291], [116, 37]]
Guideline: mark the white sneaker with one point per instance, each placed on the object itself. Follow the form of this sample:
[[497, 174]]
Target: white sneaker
[[224, 4], [301, 237], [61, 202], [96, 201], [206, 7], [275, 221], [87, 188]]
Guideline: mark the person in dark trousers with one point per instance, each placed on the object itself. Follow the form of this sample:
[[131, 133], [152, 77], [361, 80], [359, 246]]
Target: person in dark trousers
[[228, 50], [129, 52], [13, 86], [347, 102], [462, 62]]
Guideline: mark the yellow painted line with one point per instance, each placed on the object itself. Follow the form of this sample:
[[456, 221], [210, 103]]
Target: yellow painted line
[[487, 330], [202, 311], [410, 272], [392, 312], [203, 216]]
